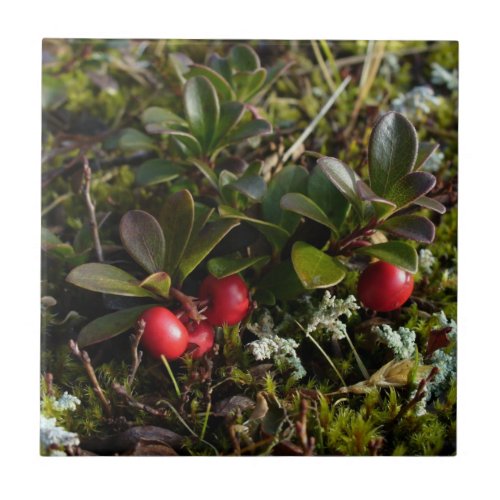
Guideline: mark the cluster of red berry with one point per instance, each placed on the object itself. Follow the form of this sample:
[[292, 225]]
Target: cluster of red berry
[[168, 335]]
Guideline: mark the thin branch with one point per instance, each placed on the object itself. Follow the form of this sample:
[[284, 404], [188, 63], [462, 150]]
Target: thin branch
[[121, 391], [188, 304], [307, 442], [135, 339], [85, 359], [87, 172]]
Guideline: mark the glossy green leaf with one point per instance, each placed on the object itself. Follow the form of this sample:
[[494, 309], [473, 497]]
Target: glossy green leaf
[[315, 268], [143, 239], [176, 220], [398, 253], [220, 267], [366, 194], [411, 187], [202, 109], [276, 235], [105, 278], [216, 79], [431, 204], [225, 179], [282, 281], [187, 140], [292, 179], [424, 152], [158, 283], [201, 215], [249, 83], [302, 205], [343, 178], [207, 240], [230, 114], [250, 129], [181, 63], [222, 66], [132, 139], [264, 297], [161, 116], [205, 169], [392, 151], [157, 171], [252, 186], [243, 58], [111, 325], [412, 227], [327, 196]]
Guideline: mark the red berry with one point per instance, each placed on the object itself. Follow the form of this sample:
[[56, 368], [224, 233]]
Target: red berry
[[164, 333], [203, 335], [384, 287], [228, 299]]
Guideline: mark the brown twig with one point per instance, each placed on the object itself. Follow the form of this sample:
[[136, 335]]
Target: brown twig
[[419, 395], [87, 173], [188, 304], [121, 391], [135, 339], [49, 378], [85, 359], [306, 442]]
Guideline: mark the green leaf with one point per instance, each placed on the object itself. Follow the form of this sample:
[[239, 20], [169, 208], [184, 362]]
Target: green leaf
[[181, 63], [206, 171], [252, 186], [249, 83], [424, 152], [201, 215], [292, 179], [302, 205], [249, 130], [410, 188], [221, 65], [225, 179], [392, 151], [132, 139], [158, 283], [111, 325], [206, 241], [216, 79], [276, 235], [315, 268], [105, 278], [202, 109], [220, 267], [327, 196], [187, 140], [243, 58], [230, 115], [143, 239], [161, 116], [282, 281], [343, 178], [176, 220], [157, 171], [366, 194], [264, 297], [413, 227], [398, 253], [431, 204]]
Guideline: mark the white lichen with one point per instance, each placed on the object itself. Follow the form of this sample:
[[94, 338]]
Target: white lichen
[[426, 260], [418, 100], [400, 342], [326, 316], [271, 346], [65, 402], [433, 163], [53, 436], [441, 76]]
